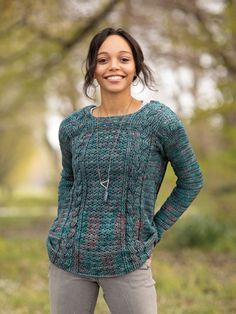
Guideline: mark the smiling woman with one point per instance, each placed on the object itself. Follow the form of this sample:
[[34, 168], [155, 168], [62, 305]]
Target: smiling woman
[[115, 60], [115, 69], [114, 158]]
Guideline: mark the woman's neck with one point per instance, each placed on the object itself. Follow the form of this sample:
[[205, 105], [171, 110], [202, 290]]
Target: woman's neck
[[115, 104]]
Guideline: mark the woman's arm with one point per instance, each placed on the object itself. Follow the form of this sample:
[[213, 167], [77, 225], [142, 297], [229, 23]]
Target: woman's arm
[[179, 152], [67, 177]]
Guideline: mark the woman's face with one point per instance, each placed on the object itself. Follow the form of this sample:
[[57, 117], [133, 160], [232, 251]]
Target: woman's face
[[115, 68]]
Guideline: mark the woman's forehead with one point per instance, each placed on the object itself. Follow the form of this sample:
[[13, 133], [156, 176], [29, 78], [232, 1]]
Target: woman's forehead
[[114, 43]]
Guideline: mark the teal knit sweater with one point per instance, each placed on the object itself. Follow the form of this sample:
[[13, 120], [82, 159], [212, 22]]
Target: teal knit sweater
[[90, 237]]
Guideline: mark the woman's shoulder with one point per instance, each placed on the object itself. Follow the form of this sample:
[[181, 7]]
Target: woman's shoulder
[[72, 121], [161, 109], [163, 115]]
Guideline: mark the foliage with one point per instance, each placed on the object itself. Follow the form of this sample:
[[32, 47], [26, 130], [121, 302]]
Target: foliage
[[37, 63], [202, 231]]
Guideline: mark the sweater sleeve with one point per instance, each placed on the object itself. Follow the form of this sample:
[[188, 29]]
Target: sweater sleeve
[[178, 151], [67, 178]]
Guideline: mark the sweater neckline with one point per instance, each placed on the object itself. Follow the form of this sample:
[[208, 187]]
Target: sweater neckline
[[116, 117]]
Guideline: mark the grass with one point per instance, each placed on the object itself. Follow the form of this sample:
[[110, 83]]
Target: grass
[[191, 281], [188, 280]]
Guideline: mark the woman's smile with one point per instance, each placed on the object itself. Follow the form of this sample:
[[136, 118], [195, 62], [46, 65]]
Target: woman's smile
[[114, 78], [115, 66]]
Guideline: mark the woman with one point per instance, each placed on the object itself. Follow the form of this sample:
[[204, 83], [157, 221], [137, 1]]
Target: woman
[[114, 157]]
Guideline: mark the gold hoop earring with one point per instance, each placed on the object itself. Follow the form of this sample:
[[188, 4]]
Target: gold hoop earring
[[94, 85], [135, 82]]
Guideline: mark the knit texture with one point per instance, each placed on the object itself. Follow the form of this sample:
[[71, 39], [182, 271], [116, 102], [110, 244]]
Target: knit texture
[[92, 238]]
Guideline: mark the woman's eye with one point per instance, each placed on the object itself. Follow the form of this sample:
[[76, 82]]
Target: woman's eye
[[101, 60], [124, 59]]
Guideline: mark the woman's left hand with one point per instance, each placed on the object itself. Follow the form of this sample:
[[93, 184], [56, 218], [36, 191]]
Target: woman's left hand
[[150, 260]]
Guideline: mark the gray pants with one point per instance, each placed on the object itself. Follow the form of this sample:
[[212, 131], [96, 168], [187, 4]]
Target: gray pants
[[133, 293]]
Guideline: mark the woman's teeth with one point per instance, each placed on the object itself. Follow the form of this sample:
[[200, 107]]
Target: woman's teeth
[[114, 78]]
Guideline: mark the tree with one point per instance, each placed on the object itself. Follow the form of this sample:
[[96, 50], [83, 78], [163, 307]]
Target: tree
[[37, 60]]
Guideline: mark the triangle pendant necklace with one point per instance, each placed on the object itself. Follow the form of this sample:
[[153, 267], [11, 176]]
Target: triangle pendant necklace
[[105, 183]]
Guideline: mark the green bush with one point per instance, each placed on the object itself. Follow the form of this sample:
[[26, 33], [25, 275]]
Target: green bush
[[203, 231]]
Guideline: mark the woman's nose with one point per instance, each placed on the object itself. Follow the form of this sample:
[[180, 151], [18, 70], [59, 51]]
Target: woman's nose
[[114, 64]]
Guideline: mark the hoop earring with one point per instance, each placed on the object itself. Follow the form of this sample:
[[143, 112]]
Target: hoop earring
[[94, 85], [135, 82]]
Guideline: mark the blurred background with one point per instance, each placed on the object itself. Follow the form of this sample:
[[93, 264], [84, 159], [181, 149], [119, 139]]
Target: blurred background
[[190, 46]]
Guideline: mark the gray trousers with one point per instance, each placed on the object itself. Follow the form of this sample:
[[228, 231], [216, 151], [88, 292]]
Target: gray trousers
[[133, 293]]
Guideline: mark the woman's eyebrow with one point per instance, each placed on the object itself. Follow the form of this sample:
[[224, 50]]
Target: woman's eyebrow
[[104, 52]]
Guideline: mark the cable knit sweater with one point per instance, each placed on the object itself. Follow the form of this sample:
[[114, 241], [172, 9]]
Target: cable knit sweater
[[90, 237]]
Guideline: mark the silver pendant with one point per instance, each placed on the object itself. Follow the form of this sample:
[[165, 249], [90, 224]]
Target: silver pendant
[[105, 185], [105, 195]]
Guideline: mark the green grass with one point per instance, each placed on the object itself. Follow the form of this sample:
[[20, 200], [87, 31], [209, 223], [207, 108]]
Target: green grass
[[27, 200], [189, 280]]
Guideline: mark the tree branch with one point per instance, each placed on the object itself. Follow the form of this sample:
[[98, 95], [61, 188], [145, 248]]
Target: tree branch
[[90, 25], [12, 27], [79, 35]]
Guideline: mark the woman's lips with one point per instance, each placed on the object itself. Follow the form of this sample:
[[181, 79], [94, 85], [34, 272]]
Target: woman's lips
[[114, 78]]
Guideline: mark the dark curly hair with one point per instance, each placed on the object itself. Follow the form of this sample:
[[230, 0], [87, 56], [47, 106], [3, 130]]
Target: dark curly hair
[[91, 60]]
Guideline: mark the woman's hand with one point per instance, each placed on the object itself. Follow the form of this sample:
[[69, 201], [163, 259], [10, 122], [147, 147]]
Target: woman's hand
[[149, 261]]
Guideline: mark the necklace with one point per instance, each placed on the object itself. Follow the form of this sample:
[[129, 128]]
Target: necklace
[[105, 183]]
